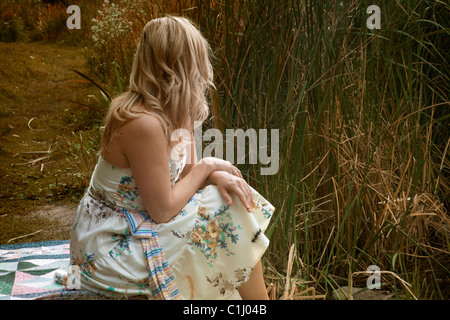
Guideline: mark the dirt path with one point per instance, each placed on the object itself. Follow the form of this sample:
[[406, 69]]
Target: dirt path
[[37, 123]]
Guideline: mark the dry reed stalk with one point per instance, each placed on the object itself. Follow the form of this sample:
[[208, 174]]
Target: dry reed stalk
[[301, 295], [403, 282], [215, 110], [316, 297], [293, 290], [313, 170], [24, 236], [326, 245], [29, 125], [273, 295], [269, 290], [288, 273], [35, 152], [31, 162], [442, 161]]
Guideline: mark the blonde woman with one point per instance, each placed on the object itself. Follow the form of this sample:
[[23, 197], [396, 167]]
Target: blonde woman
[[154, 221]]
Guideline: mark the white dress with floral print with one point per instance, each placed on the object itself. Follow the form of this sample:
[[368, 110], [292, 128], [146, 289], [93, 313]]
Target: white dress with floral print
[[205, 252]]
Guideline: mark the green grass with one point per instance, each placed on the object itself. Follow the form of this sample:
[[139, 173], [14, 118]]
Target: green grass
[[363, 119], [39, 120]]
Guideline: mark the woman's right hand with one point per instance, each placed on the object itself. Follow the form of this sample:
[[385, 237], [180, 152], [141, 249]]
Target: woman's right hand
[[228, 184]]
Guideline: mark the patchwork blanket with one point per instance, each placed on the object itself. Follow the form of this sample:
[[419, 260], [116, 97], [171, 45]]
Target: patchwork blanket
[[27, 270]]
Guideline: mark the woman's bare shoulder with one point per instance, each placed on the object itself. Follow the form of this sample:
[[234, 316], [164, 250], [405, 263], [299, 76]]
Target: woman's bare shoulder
[[145, 125]]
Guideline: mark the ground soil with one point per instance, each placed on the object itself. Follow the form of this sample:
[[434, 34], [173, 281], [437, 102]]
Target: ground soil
[[38, 119]]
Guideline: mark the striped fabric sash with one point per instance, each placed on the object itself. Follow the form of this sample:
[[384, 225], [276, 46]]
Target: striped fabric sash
[[161, 278]]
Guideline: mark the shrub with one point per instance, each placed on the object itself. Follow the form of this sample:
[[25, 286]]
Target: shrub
[[12, 27]]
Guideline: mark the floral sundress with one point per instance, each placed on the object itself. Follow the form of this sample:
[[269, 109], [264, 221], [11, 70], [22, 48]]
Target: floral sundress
[[205, 252]]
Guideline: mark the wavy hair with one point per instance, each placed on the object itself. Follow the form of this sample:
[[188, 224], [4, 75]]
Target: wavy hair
[[170, 75]]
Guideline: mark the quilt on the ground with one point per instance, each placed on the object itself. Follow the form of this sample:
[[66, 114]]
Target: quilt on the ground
[[27, 270]]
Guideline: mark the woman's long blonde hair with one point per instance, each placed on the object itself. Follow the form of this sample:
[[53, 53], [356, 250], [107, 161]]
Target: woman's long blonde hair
[[170, 74]]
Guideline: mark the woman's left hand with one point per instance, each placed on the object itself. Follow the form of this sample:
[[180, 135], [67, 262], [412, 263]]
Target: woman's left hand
[[227, 183]]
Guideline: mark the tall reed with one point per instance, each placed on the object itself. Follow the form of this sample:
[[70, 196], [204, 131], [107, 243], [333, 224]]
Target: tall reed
[[364, 133], [362, 119]]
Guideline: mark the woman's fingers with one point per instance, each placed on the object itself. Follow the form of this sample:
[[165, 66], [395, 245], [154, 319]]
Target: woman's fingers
[[222, 165], [237, 172], [226, 196], [249, 193], [239, 187], [244, 192], [241, 193]]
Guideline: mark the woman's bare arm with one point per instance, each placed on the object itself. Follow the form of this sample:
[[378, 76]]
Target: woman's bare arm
[[191, 159], [144, 144], [226, 182]]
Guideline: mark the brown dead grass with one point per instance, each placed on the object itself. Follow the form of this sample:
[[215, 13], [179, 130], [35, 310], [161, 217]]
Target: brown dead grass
[[36, 119]]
